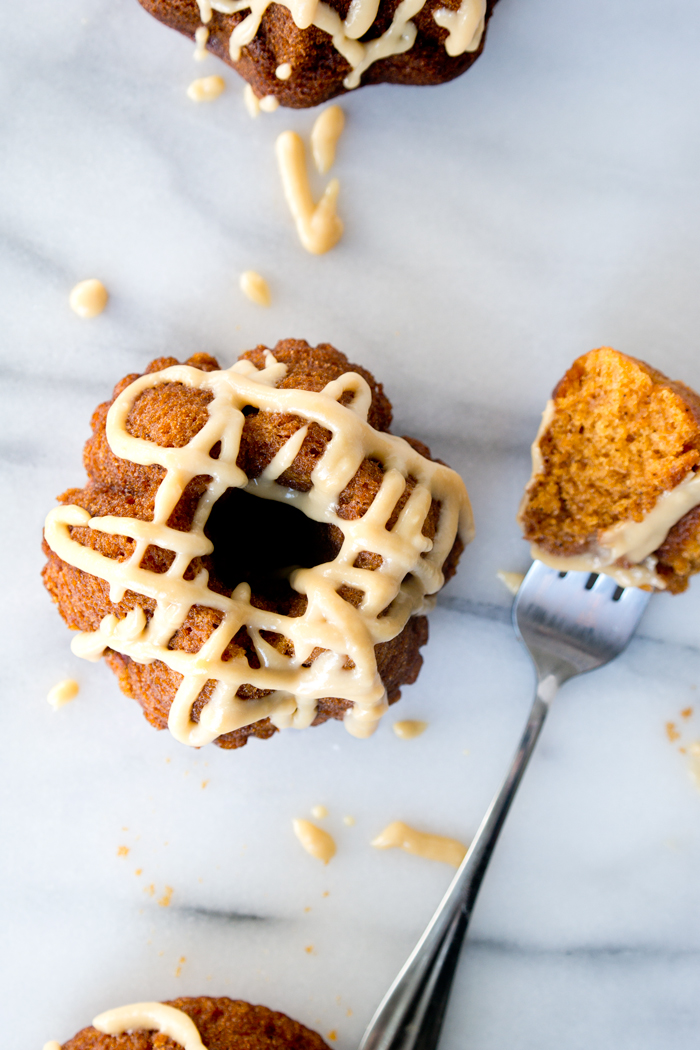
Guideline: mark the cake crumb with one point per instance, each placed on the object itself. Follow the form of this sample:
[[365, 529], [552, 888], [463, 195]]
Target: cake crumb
[[122, 851], [332, 1035], [686, 712], [319, 812], [326, 893], [150, 890], [167, 897], [511, 580], [138, 871], [62, 693], [309, 949], [308, 908], [204, 784], [671, 732], [180, 964], [348, 1012]]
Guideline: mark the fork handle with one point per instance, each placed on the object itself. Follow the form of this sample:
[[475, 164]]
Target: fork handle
[[411, 1014]]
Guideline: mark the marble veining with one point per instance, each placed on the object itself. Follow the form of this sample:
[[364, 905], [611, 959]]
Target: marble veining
[[496, 227]]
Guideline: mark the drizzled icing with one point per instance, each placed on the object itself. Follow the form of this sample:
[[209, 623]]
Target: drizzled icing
[[315, 840], [318, 225], [410, 573], [325, 133], [151, 1016], [424, 844], [465, 27]]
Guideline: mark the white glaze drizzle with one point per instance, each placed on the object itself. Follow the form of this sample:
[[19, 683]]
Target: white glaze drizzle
[[206, 89], [151, 1016], [316, 841], [409, 728], [318, 225], [411, 570], [465, 28], [422, 843], [255, 287], [63, 693], [325, 133], [252, 102], [201, 37]]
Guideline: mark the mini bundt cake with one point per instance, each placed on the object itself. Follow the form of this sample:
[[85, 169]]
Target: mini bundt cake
[[198, 1023], [304, 52], [615, 486], [253, 549]]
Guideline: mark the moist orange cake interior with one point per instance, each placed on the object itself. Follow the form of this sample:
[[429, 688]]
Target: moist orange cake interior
[[616, 437]]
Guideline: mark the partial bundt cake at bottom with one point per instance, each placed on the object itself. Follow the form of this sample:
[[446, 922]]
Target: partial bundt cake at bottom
[[200, 1023], [615, 486], [253, 549]]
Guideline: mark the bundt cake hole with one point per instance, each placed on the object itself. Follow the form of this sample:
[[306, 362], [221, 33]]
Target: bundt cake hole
[[259, 541]]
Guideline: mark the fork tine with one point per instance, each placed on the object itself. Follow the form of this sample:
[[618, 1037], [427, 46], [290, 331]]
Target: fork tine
[[575, 621]]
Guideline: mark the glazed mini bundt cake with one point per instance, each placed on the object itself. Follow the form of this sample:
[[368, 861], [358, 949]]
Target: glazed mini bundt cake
[[200, 1023], [253, 549], [304, 52], [615, 486]]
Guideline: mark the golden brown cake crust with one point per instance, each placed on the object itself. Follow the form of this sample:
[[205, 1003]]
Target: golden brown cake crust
[[223, 1024], [171, 414], [621, 435], [318, 69]]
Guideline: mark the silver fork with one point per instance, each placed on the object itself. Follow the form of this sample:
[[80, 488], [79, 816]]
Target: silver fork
[[570, 622]]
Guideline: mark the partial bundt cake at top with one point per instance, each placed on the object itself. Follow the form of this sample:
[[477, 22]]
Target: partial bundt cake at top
[[615, 486], [304, 52], [254, 549]]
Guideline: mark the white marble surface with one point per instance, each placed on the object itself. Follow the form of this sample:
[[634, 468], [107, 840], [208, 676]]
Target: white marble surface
[[496, 227]]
